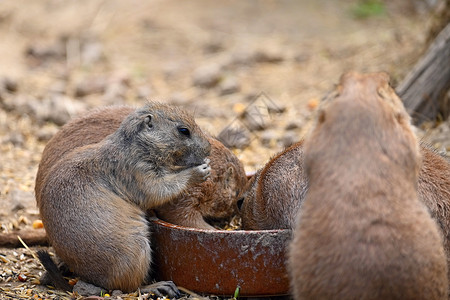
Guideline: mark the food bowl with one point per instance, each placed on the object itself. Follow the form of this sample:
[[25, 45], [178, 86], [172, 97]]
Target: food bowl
[[218, 261]]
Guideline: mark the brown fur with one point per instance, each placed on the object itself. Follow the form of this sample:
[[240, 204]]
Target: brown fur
[[74, 135], [362, 233], [434, 191], [213, 199], [273, 196], [93, 198]]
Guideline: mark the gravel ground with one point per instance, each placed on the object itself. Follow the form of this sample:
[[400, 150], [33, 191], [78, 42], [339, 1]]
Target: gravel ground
[[225, 63]]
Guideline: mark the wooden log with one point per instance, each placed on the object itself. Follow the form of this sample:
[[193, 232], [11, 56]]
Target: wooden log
[[424, 89], [31, 237]]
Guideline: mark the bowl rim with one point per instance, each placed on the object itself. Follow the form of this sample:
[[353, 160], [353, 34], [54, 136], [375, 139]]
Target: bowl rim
[[166, 224]]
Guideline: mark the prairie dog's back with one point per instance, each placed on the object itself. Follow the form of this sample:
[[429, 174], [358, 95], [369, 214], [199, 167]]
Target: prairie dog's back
[[84, 130], [362, 233], [272, 198]]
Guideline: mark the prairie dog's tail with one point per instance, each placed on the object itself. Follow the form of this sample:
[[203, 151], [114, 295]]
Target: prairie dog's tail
[[53, 272]]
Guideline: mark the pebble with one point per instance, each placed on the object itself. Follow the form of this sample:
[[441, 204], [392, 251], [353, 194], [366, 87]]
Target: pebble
[[214, 45], [58, 87], [171, 69], [289, 138], [15, 138], [229, 85], [234, 137], [178, 99], [255, 118], [87, 289], [268, 138], [9, 84], [41, 53], [90, 86], [241, 57], [21, 198], [17, 207], [268, 55], [207, 76], [91, 53], [115, 93], [44, 134], [144, 92], [302, 57], [116, 293], [263, 100], [295, 124], [273, 107], [57, 109]]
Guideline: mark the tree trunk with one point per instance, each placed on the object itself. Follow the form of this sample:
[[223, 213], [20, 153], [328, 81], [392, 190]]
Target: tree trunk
[[424, 90]]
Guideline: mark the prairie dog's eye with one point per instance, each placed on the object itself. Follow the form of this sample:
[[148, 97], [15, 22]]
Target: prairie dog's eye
[[184, 131]]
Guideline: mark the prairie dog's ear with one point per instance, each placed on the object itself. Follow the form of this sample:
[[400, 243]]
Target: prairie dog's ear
[[148, 120], [229, 176], [240, 202]]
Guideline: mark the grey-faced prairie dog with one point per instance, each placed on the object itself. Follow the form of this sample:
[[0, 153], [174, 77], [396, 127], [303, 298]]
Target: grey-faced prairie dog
[[93, 199], [362, 232], [273, 196], [213, 199]]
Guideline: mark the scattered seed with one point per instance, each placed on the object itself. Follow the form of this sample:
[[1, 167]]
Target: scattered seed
[[4, 259], [22, 278], [313, 103], [38, 224], [23, 220]]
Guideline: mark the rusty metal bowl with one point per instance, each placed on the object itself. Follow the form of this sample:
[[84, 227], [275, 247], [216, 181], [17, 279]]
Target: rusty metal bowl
[[217, 261]]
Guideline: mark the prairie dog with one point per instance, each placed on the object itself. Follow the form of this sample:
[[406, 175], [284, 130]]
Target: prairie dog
[[273, 196], [93, 199], [434, 191], [362, 232], [213, 199]]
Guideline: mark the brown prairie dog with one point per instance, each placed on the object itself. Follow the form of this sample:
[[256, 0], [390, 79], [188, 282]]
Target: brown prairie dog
[[93, 199], [273, 196], [213, 199], [362, 232], [434, 191]]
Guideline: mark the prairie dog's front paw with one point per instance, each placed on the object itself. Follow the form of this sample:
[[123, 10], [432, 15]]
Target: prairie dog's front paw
[[201, 173]]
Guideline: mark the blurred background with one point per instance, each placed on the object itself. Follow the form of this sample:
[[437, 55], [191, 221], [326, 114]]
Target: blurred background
[[60, 58]]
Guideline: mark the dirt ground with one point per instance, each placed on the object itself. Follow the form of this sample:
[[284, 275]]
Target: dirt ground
[[60, 58]]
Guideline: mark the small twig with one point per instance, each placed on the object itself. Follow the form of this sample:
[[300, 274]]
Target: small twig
[[185, 290], [31, 251]]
